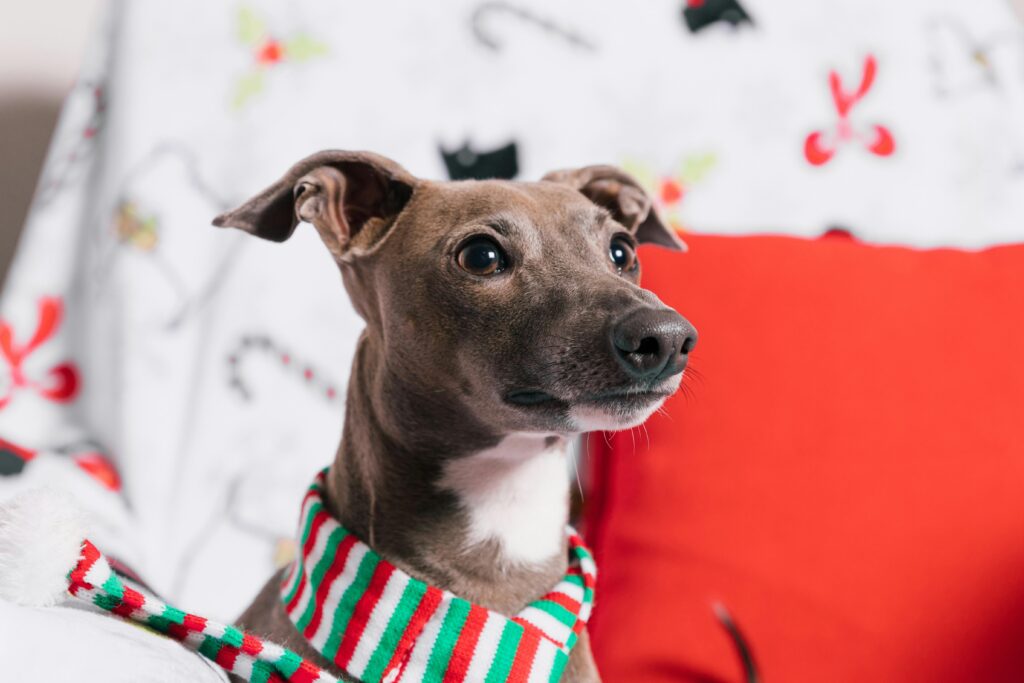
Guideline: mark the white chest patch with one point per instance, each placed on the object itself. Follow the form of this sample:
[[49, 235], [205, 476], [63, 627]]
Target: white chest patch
[[515, 493]]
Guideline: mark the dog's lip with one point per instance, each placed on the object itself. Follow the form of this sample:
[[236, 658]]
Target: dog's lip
[[536, 398], [529, 397], [626, 396]]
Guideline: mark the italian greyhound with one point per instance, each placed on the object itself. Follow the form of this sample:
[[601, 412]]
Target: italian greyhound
[[502, 318]]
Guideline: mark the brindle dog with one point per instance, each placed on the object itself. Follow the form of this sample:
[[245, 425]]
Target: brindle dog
[[501, 318]]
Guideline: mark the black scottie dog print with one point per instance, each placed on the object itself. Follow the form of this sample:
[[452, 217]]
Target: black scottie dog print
[[699, 14], [466, 163]]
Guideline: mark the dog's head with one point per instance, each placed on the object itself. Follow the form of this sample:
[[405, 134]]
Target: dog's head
[[519, 300]]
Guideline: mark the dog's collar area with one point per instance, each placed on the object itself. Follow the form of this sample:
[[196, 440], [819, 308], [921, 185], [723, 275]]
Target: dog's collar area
[[378, 623], [375, 622]]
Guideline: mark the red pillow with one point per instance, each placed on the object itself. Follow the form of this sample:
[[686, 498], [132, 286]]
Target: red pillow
[[845, 474]]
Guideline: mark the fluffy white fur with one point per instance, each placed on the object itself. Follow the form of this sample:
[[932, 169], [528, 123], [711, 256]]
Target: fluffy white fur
[[596, 419], [41, 533], [586, 419], [515, 493], [66, 643]]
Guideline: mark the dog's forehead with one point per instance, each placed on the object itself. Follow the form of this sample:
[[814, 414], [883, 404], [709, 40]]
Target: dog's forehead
[[541, 204]]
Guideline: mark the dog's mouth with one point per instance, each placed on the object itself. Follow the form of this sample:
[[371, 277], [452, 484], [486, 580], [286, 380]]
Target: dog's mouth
[[613, 408], [529, 398], [622, 398], [625, 398]]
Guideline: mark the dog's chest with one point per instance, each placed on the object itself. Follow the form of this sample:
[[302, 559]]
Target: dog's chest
[[515, 494]]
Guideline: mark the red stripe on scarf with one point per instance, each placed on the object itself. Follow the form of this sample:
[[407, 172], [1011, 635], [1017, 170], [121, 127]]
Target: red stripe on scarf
[[536, 630], [462, 655], [428, 605], [290, 607], [226, 657], [361, 613], [524, 657], [307, 547], [191, 622], [588, 579], [289, 577], [340, 557], [88, 558], [314, 529], [131, 601], [310, 493], [306, 673], [251, 645], [563, 600]]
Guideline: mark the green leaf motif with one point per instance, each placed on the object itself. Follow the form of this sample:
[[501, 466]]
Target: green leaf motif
[[696, 166], [247, 87], [251, 27], [640, 171], [302, 48]]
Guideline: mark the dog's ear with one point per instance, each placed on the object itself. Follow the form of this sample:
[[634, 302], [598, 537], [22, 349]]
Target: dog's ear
[[622, 195], [350, 197]]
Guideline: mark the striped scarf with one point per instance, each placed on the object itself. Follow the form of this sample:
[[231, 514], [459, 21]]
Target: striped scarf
[[359, 611], [377, 623], [239, 652]]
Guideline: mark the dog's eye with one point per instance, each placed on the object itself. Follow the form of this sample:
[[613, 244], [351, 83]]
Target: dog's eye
[[622, 255], [481, 256]]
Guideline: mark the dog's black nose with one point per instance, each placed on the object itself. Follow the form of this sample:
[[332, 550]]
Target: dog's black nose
[[653, 343]]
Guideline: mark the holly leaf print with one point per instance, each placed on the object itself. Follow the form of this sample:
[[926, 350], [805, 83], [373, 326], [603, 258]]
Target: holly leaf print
[[251, 27], [302, 48], [249, 85]]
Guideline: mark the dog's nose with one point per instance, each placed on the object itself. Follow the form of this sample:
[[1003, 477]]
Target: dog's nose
[[652, 343]]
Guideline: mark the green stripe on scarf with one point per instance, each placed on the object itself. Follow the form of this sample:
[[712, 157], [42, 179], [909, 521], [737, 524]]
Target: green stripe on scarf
[[313, 509], [347, 604], [561, 659], [210, 647], [506, 654], [317, 577], [576, 579], [557, 611], [289, 663], [451, 628], [233, 637], [261, 672], [393, 632]]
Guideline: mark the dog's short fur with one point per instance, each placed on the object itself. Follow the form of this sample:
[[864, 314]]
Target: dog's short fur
[[466, 386]]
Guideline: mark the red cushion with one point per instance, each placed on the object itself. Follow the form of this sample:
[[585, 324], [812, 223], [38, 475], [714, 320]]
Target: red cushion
[[845, 474]]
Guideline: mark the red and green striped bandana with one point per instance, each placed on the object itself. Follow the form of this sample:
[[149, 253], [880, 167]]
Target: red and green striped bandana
[[377, 623]]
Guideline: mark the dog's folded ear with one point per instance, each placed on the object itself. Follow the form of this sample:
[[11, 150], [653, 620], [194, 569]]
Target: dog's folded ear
[[350, 197], [619, 193]]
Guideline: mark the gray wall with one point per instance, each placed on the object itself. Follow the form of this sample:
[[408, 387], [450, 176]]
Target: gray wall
[[41, 45], [26, 121]]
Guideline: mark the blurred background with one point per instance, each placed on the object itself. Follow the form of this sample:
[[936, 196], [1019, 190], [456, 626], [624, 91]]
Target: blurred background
[[41, 49]]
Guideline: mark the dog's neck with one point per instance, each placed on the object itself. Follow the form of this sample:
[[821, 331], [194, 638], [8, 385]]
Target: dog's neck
[[436, 493]]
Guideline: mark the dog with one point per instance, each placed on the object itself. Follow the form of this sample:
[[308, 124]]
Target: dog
[[502, 318]]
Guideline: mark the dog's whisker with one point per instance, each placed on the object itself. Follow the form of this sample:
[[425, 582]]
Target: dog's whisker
[[576, 471]]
